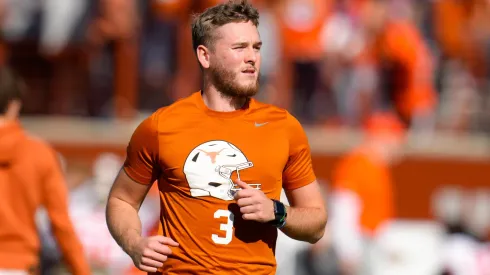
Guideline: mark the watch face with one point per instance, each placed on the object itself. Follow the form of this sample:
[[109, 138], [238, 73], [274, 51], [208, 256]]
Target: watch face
[[279, 209]]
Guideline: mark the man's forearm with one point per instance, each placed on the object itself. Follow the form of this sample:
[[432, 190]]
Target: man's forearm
[[124, 223], [305, 224]]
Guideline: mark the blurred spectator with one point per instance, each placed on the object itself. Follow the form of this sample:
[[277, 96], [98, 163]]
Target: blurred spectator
[[187, 76], [30, 176], [341, 41], [402, 65], [113, 36], [319, 258], [300, 26], [335, 60], [115, 20], [462, 30], [465, 216], [87, 209], [59, 23], [363, 192]]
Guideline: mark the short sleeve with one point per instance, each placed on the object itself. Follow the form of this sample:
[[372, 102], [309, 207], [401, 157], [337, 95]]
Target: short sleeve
[[141, 162], [299, 169]]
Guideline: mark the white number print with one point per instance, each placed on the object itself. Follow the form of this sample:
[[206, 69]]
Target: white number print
[[227, 227]]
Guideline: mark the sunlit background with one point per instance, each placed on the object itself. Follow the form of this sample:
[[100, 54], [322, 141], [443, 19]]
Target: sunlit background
[[96, 68]]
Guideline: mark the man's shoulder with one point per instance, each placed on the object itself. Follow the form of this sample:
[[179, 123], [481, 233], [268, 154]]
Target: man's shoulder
[[273, 112], [180, 107], [170, 114]]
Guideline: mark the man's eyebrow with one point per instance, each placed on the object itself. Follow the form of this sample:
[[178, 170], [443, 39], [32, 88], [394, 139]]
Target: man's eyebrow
[[244, 44]]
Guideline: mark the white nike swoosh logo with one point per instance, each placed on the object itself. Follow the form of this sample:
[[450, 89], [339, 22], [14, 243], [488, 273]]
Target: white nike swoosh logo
[[260, 124]]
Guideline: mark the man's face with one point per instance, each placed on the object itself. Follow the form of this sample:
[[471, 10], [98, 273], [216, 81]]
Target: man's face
[[235, 59]]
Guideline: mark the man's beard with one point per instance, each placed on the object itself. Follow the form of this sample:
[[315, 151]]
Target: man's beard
[[225, 82]]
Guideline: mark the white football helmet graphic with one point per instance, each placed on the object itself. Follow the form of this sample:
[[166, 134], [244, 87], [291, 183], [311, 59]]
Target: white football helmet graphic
[[210, 166]]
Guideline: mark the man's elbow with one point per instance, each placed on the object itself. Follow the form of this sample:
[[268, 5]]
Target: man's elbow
[[111, 203], [318, 234], [114, 201]]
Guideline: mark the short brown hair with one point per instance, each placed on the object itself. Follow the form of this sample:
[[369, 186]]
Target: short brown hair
[[11, 88], [233, 11]]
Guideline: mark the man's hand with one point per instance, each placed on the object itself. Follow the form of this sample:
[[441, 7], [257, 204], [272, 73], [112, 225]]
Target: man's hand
[[254, 204], [150, 253]]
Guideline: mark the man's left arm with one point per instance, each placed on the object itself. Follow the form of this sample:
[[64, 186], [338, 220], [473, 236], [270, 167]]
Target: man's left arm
[[307, 216]]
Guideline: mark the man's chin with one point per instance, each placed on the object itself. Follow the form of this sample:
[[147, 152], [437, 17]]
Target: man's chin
[[247, 92]]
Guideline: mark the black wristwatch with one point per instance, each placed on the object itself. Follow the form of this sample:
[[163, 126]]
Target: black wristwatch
[[280, 214]]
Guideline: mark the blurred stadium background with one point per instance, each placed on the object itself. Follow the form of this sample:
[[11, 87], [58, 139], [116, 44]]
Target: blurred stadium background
[[96, 68]]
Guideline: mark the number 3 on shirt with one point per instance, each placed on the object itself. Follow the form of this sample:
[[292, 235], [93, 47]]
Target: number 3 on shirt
[[227, 227]]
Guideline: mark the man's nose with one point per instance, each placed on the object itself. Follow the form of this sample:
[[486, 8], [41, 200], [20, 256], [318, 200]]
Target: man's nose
[[251, 56]]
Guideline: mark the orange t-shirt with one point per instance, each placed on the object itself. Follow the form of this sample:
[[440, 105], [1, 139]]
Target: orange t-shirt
[[301, 23], [371, 181], [194, 153], [401, 49], [31, 177], [404, 44]]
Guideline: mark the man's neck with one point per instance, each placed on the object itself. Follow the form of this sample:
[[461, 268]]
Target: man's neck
[[219, 102]]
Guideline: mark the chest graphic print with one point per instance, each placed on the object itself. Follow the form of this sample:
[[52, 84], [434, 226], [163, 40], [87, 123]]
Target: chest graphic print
[[209, 168]]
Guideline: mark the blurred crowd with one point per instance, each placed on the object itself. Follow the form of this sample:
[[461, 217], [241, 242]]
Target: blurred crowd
[[330, 62]]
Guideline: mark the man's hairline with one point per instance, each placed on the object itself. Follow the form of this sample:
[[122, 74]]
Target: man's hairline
[[216, 37]]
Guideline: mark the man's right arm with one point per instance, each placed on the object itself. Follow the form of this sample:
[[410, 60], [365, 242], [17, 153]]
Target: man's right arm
[[141, 169], [132, 184], [123, 205]]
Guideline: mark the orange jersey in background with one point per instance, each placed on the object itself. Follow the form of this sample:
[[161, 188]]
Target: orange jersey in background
[[371, 182], [174, 9], [301, 23], [455, 25], [30, 177], [194, 153], [400, 49], [404, 44]]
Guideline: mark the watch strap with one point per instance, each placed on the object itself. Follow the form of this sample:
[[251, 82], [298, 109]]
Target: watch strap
[[280, 214]]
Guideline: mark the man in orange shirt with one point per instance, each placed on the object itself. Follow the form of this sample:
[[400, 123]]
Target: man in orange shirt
[[220, 159], [30, 176], [362, 199], [395, 51]]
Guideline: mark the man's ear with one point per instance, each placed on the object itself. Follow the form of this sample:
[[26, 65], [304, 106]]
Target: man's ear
[[203, 56]]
